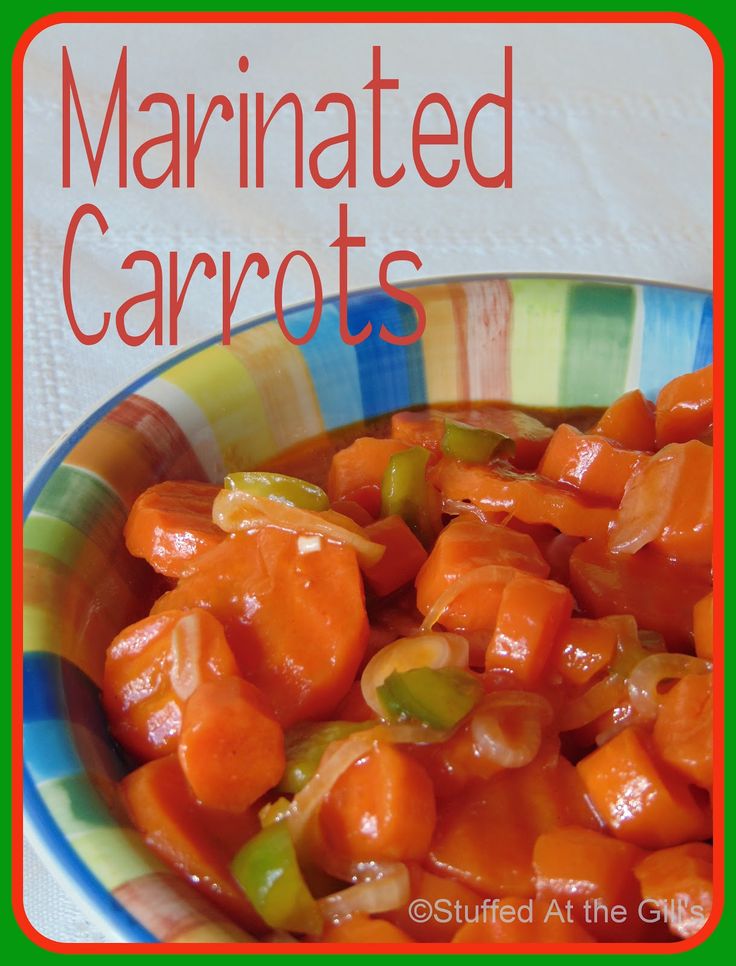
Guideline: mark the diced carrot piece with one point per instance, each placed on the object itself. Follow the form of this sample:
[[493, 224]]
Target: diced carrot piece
[[517, 920], [353, 706], [703, 627], [452, 902], [579, 866], [629, 421], [685, 407], [381, 809], [683, 731], [357, 471], [592, 464], [363, 929], [170, 525], [530, 615], [151, 669], [678, 882], [426, 429], [585, 648], [355, 511], [231, 747], [403, 557], [529, 497], [485, 838], [637, 797], [464, 545], [296, 622], [197, 842], [669, 504], [659, 593]]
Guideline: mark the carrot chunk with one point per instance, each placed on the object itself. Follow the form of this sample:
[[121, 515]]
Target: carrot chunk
[[381, 809], [703, 627], [196, 841], [579, 866], [151, 669], [685, 407], [638, 798], [683, 731], [527, 496], [357, 470], [678, 883], [231, 748], [585, 648], [296, 622], [364, 929], [659, 593], [592, 464], [517, 920], [629, 421], [530, 615], [485, 838], [669, 504], [403, 557], [453, 904], [170, 525], [464, 545]]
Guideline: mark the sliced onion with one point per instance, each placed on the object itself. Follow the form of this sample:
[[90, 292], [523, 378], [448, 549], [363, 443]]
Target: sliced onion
[[387, 887], [641, 519], [186, 644], [601, 697], [488, 574], [644, 680], [237, 510], [494, 743], [456, 508], [423, 650]]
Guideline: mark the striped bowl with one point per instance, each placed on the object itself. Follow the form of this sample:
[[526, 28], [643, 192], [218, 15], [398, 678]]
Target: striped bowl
[[213, 409]]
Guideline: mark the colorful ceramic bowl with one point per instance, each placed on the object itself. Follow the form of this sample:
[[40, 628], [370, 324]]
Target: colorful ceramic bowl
[[212, 409]]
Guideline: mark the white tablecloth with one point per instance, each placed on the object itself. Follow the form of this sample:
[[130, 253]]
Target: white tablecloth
[[612, 176]]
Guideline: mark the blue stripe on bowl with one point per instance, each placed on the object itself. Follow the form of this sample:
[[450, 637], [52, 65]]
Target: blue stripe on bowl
[[672, 330], [704, 350]]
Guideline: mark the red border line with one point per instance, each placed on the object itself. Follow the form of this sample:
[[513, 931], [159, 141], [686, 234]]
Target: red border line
[[26, 39]]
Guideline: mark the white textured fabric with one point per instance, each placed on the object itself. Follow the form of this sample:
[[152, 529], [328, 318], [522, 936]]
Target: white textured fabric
[[612, 176]]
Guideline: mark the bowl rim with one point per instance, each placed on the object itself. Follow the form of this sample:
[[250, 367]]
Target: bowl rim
[[51, 845]]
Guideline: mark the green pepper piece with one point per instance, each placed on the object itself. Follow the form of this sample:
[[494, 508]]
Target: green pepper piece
[[440, 697], [267, 870], [305, 745], [473, 444], [276, 486], [404, 490]]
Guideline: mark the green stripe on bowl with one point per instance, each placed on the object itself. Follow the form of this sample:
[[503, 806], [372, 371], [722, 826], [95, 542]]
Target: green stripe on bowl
[[118, 855], [75, 805], [86, 503], [538, 339]]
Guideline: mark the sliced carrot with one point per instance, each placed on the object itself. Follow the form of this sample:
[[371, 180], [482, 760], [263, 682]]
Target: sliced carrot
[[683, 731], [659, 593], [355, 511], [296, 622], [381, 809], [364, 929], [485, 838], [403, 557], [678, 883], [356, 472], [196, 841], [464, 545], [170, 525], [530, 615], [451, 901], [517, 920], [426, 429], [152, 668], [685, 407], [527, 496], [591, 464], [585, 648], [669, 504], [454, 763], [353, 706], [582, 866], [629, 421], [703, 627], [637, 797], [231, 747]]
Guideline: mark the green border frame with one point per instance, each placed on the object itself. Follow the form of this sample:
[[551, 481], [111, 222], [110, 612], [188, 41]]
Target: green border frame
[[17, 19]]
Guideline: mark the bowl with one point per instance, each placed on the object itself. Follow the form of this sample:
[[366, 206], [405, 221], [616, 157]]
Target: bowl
[[538, 341]]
